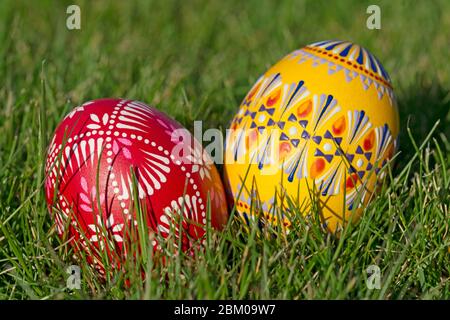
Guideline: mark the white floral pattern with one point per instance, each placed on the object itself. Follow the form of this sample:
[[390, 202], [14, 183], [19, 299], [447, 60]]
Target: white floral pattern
[[188, 207], [77, 109], [100, 231], [200, 160]]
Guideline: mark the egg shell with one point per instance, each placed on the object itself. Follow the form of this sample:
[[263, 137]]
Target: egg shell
[[319, 126], [89, 182]]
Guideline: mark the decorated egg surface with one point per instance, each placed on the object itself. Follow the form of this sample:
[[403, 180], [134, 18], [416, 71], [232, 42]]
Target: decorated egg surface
[[319, 127], [109, 155]]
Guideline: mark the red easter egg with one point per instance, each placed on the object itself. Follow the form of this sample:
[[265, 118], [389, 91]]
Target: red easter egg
[[108, 153]]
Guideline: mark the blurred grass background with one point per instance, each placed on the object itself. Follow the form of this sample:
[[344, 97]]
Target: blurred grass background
[[194, 60]]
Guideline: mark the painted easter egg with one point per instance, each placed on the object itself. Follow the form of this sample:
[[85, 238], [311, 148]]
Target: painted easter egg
[[317, 128], [108, 155]]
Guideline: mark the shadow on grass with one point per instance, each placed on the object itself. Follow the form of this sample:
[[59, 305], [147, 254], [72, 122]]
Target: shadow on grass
[[420, 107]]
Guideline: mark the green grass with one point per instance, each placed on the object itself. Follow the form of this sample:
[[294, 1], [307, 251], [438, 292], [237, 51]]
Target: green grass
[[196, 60]]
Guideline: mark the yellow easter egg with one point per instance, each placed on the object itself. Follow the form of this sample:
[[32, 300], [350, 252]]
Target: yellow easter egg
[[316, 130]]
